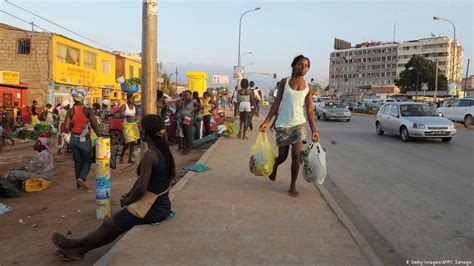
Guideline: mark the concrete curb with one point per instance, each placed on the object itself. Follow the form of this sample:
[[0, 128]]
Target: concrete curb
[[184, 180], [356, 235], [107, 257]]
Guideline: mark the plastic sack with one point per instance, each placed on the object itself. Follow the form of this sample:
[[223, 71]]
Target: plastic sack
[[313, 159], [262, 156]]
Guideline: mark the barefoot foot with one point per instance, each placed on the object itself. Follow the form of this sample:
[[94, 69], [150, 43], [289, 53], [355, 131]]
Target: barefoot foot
[[60, 241], [272, 176], [293, 193]]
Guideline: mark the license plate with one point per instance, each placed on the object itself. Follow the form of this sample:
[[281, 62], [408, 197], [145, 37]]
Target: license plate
[[438, 132]]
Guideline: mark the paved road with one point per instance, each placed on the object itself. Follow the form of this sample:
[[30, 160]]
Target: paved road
[[418, 195]]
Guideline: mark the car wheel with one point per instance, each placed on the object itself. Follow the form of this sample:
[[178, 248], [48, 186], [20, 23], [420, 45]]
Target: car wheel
[[378, 129], [324, 117], [318, 117], [468, 120], [348, 119], [446, 139], [404, 134], [116, 138]]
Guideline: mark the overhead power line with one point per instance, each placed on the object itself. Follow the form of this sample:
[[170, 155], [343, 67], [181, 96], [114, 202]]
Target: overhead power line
[[31, 23], [56, 24]]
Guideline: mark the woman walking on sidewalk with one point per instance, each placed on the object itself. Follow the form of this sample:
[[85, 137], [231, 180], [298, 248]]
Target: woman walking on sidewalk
[[245, 107], [155, 172], [294, 96]]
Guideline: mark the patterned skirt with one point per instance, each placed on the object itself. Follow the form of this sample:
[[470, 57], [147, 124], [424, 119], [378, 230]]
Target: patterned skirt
[[286, 136]]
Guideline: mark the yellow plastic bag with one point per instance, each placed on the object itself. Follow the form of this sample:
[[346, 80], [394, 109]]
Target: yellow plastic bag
[[262, 156]]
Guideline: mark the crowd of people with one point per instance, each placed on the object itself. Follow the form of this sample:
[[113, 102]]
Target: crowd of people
[[148, 201]]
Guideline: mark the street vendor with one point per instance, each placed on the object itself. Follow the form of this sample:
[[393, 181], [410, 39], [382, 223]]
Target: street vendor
[[41, 165], [131, 132]]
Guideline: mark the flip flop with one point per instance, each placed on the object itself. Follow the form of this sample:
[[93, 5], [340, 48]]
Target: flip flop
[[55, 238], [62, 256]]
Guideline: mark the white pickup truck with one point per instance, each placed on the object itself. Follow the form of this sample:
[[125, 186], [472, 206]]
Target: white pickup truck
[[460, 110]]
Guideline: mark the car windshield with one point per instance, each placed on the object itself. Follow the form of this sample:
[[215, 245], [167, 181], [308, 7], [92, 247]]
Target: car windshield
[[417, 110], [334, 105]]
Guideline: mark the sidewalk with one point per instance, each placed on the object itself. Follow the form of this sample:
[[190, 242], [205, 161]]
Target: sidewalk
[[228, 216]]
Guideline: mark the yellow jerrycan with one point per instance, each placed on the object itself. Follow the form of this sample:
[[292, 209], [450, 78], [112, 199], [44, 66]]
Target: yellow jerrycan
[[36, 184]]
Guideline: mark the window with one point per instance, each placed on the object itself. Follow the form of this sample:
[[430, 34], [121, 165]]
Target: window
[[67, 54], [465, 103], [393, 110], [105, 66], [130, 71], [89, 59], [23, 46], [455, 103]]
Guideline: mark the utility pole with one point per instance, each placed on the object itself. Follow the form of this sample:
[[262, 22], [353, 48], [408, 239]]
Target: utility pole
[[417, 82], [149, 55], [436, 82]]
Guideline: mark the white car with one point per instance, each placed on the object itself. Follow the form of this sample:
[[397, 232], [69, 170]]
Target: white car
[[413, 120], [460, 110]]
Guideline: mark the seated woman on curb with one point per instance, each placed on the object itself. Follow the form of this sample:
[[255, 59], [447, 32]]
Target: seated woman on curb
[[155, 172], [41, 165]]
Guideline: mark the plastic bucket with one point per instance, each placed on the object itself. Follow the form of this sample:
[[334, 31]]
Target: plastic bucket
[[102, 209], [103, 149], [102, 188], [102, 169]]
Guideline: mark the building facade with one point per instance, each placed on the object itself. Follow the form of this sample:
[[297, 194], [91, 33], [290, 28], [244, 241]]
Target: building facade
[[29, 54], [352, 71], [52, 64], [436, 48]]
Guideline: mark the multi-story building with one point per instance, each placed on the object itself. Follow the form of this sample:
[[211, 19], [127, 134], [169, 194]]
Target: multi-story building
[[436, 48], [367, 64], [378, 64], [52, 64]]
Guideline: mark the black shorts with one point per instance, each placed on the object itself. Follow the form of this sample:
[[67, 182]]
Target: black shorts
[[126, 220]]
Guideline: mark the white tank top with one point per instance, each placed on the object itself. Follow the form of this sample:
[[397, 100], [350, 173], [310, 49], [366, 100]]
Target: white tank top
[[292, 107], [130, 112]]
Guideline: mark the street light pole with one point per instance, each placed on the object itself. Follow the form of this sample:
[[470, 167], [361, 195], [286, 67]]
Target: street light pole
[[454, 44], [242, 55], [240, 30]]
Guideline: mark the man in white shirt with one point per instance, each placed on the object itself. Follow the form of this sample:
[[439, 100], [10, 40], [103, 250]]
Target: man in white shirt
[[235, 101]]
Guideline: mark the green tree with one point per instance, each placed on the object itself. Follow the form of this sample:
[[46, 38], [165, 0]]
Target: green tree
[[421, 70]]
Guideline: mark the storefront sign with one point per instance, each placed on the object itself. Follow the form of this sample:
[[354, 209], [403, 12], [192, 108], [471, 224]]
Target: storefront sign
[[9, 77]]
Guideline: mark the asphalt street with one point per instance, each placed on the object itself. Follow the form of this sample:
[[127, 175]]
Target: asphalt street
[[418, 195]]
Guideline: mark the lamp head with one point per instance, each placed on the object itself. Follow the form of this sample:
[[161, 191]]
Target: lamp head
[[257, 8], [436, 18]]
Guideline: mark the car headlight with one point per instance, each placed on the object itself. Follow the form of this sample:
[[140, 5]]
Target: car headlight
[[347, 113], [451, 126], [417, 125]]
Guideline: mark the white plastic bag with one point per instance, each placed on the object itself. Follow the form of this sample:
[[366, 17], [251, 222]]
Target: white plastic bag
[[313, 159]]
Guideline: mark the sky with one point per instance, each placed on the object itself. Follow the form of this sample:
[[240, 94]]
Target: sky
[[203, 35]]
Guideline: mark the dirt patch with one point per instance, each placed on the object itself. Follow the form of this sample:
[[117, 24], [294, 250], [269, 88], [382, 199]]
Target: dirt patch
[[25, 231]]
